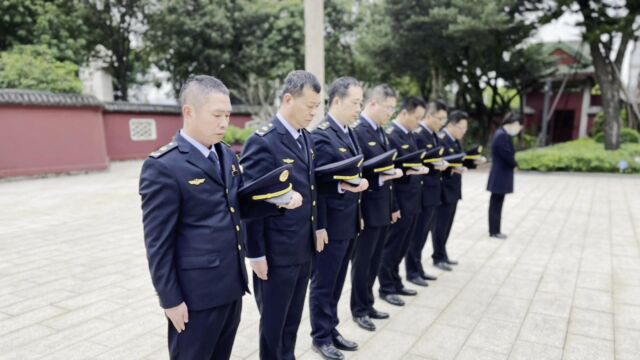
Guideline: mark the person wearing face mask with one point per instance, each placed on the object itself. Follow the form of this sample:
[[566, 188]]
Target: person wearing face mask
[[501, 176]]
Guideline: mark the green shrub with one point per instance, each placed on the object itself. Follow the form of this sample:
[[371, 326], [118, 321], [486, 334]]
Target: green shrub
[[598, 122], [235, 135], [627, 135], [34, 67], [584, 155]]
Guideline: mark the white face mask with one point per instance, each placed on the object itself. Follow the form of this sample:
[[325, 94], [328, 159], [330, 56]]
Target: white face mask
[[513, 129]]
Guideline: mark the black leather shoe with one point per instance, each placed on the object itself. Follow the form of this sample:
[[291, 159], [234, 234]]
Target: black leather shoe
[[419, 281], [328, 352], [406, 292], [500, 236], [443, 266], [392, 299], [365, 323], [451, 262], [379, 315], [343, 344], [428, 277]]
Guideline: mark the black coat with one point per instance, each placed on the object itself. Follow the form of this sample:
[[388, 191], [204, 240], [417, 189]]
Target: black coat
[[377, 201], [192, 228], [408, 189], [338, 213], [287, 239], [432, 182], [451, 182], [503, 161]]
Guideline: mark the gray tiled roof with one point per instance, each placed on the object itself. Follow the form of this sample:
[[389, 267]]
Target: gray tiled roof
[[127, 107], [45, 98]]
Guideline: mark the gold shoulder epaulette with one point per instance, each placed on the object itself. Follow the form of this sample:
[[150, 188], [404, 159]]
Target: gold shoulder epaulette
[[324, 126], [163, 150], [264, 130]]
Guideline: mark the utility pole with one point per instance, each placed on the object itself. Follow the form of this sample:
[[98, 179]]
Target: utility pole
[[314, 47]]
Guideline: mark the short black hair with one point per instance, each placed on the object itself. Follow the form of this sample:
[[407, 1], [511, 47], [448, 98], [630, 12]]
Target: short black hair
[[340, 87], [412, 103], [456, 116], [297, 80], [512, 117], [202, 85], [437, 105], [380, 93]]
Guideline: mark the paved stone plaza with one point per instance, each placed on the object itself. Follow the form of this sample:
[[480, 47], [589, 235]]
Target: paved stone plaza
[[74, 282]]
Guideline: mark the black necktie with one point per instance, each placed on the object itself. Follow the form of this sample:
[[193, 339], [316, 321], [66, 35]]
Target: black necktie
[[381, 134], [214, 159], [303, 146], [352, 141]]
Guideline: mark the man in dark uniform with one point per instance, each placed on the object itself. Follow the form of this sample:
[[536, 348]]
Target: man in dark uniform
[[281, 248], [378, 208], [338, 213], [426, 138], [192, 229], [407, 191], [451, 136], [501, 176]]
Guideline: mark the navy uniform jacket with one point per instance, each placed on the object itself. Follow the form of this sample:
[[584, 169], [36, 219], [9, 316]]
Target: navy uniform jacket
[[192, 228], [451, 182], [503, 156], [338, 213], [432, 187], [378, 202], [408, 189], [287, 239]]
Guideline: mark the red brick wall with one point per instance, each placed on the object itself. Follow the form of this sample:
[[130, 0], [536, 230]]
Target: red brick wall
[[121, 147], [39, 140]]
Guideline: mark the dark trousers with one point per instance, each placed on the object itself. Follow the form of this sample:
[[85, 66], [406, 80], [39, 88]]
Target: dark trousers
[[365, 264], [395, 247], [327, 280], [413, 258], [280, 301], [445, 215], [209, 334], [495, 213]]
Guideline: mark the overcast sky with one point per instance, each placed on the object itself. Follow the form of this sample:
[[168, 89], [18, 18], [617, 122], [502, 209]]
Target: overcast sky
[[564, 28]]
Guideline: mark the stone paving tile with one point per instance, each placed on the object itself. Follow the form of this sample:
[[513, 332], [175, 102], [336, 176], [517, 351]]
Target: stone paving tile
[[440, 342], [507, 309], [551, 304], [594, 324], [544, 329], [584, 348], [627, 344], [494, 335], [471, 353], [524, 350], [77, 282]]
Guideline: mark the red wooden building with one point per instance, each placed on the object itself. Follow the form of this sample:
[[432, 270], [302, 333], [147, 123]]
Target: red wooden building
[[577, 103], [57, 133]]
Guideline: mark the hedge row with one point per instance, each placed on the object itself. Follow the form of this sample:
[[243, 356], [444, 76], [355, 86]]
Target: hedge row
[[585, 155]]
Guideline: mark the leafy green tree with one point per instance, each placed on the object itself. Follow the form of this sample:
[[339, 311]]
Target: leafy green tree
[[57, 24], [34, 67], [115, 38], [609, 26]]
